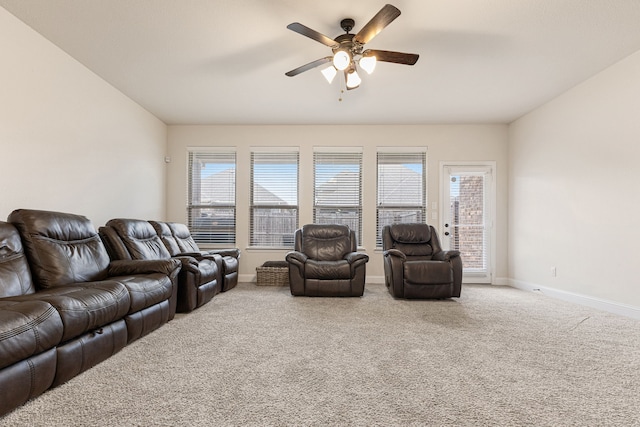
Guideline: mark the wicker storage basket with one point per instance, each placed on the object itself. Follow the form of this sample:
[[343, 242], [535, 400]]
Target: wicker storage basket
[[273, 273]]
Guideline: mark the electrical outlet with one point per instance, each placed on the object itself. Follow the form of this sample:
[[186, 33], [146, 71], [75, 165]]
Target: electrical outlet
[[553, 272]]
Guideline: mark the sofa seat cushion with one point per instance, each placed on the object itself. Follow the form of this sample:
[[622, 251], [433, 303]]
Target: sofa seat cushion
[[428, 272], [27, 328], [84, 307], [327, 270], [146, 290]]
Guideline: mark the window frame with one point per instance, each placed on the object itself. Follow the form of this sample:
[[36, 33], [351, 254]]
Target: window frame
[[287, 236], [209, 155], [336, 156], [394, 155]]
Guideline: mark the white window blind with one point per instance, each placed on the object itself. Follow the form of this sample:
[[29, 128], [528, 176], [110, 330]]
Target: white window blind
[[211, 205], [401, 189], [274, 198], [338, 189]]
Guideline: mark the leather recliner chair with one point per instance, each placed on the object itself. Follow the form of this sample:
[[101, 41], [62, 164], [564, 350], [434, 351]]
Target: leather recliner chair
[[179, 242], [415, 266], [136, 239], [326, 263]]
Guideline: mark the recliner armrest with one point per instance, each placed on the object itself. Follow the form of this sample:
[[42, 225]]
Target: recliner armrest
[[189, 263], [356, 257], [130, 267], [296, 257], [192, 254], [394, 252], [235, 252], [445, 255]]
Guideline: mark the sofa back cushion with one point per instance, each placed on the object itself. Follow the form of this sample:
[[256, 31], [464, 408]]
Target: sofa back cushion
[[325, 242], [15, 276], [170, 242], [140, 238], [61, 248], [183, 237], [414, 240]]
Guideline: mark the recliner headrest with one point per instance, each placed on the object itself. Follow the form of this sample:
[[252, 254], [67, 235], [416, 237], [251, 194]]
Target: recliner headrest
[[135, 228], [10, 243], [15, 275], [62, 248], [62, 226], [140, 238], [167, 237], [410, 233], [321, 231], [183, 237]]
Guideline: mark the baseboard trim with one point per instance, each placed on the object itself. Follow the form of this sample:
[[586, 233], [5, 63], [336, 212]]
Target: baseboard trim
[[501, 281], [598, 303], [247, 278], [376, 280], [251, 278]]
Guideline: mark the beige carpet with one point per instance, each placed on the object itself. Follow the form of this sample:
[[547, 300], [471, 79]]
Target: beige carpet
[[258, 356]]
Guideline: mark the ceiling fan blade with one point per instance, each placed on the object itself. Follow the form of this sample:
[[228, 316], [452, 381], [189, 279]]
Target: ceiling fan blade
[[395, 57], [312, 34], [384, 17], [309, 66]]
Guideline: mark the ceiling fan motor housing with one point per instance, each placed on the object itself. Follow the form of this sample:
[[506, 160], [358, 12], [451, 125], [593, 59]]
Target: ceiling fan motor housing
[[347, 24], [347, 43]]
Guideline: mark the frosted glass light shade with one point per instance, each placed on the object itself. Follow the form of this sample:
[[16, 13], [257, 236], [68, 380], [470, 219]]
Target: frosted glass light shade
[[368, 63], [353, 79], [329, 73], [341, 60]]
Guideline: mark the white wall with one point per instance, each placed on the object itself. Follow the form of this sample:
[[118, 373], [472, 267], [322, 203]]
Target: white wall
[[70, 141], [574, 198], [461, 143]]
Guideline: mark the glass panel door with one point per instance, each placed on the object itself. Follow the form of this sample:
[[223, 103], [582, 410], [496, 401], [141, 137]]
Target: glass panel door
[[467, 219]]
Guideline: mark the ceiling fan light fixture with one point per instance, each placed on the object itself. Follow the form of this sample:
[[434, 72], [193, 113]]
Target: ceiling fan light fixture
[[329, 73], [353, 79], [341, 60], [368, 63]]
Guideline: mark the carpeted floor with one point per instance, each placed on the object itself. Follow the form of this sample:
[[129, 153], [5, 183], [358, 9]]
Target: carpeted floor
[[258, 356]]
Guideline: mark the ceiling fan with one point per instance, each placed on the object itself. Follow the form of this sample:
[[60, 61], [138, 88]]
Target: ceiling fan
[[348, 49]]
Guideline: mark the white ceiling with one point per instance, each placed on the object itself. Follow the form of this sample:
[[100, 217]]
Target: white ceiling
[[223, 62]]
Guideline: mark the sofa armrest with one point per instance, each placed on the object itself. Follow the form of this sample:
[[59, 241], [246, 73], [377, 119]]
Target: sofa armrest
[[132, 267], [445, 255]]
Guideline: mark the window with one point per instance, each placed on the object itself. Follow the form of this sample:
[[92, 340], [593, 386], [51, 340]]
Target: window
[[338, 188], [401, 189], [211, 208], [274, 198]]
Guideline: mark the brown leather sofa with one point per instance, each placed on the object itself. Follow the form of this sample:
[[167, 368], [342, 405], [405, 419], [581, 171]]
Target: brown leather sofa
[[179, 242], [64, 306], [326, 263], [136, 239], [415, 266]]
